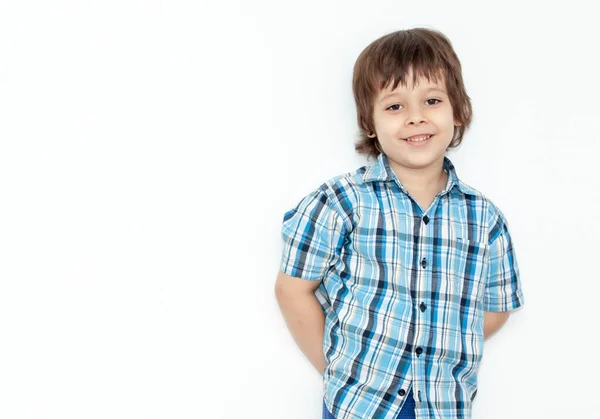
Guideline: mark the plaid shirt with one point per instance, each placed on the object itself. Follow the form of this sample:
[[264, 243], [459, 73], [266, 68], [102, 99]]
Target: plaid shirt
[[403, 291]]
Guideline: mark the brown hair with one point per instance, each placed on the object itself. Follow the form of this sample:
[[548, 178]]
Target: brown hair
[[388, 60]]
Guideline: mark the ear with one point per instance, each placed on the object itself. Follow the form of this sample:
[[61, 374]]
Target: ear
[[371, 135], [457, 124]]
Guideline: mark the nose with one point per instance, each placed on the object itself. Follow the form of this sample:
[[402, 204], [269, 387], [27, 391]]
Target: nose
[[415, 117]]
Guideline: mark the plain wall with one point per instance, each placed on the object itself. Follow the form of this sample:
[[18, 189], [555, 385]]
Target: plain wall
[[148, 152]]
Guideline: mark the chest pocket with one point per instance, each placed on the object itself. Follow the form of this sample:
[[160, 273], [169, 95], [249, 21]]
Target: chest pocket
[[469, 264]]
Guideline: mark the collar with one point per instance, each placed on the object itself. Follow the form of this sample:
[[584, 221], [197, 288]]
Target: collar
[[381, 171]]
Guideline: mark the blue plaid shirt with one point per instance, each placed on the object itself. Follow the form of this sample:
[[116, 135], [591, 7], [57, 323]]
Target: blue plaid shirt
[[403, 291]]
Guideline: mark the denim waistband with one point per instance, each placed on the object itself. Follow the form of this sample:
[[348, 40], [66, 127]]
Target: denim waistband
[[407, 412]]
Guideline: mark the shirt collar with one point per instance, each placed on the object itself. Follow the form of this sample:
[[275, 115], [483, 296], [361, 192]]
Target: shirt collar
[[381, 171]]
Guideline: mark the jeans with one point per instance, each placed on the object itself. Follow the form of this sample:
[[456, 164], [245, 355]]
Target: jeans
[[407, 412]]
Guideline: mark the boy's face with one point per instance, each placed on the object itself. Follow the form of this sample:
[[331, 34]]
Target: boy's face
[[414, 124]]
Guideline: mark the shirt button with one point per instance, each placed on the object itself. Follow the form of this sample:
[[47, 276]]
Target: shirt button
[[426, 220], [424, 263], [402, 392], [422, 306], [419, 350]]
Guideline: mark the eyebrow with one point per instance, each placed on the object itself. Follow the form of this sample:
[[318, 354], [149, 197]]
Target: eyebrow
[[431, 89]]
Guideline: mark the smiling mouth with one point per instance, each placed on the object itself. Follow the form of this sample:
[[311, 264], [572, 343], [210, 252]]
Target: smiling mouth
[[418, 138]]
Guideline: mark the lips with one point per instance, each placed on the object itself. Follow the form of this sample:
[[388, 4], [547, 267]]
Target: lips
[[418, 138]]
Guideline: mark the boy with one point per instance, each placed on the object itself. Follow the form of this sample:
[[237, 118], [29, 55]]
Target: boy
[[392, 276]]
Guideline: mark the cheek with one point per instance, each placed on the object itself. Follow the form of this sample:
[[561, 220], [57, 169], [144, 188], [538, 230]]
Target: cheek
[[449, 117], [387, 125], [388, 132], [444, 122]]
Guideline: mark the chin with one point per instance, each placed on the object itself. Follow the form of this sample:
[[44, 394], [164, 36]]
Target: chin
[[418, 162]]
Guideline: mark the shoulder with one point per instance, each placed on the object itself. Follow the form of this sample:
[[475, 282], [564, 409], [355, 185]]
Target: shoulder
[[342, 186], [493, 217], [341, 193], [474, 198]]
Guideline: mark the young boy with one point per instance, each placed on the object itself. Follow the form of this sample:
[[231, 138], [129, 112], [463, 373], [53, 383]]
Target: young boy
[[392, 276]]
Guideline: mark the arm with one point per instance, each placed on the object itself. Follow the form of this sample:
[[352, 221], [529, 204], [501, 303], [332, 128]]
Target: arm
[[492, 322], [313, 234], [303, 315], [503, 290]]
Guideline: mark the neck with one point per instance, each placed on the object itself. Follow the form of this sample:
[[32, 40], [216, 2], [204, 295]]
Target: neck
[[429, 179]]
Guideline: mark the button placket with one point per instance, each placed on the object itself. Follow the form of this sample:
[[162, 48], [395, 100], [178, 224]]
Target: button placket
[[424, 281]]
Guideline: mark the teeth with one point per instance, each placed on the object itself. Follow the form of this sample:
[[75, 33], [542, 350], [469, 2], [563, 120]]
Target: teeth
[[418, 139]]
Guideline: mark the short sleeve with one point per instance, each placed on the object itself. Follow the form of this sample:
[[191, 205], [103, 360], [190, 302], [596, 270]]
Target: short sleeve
[[313, 235], [503, 287]]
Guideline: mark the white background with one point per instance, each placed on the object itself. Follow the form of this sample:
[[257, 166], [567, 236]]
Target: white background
[[148, 152]]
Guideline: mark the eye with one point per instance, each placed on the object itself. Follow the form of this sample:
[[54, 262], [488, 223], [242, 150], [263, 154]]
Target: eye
[[436, 101], [389, 108]]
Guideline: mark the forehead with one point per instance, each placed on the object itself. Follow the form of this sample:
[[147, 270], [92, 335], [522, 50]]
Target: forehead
[[409, 82]]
